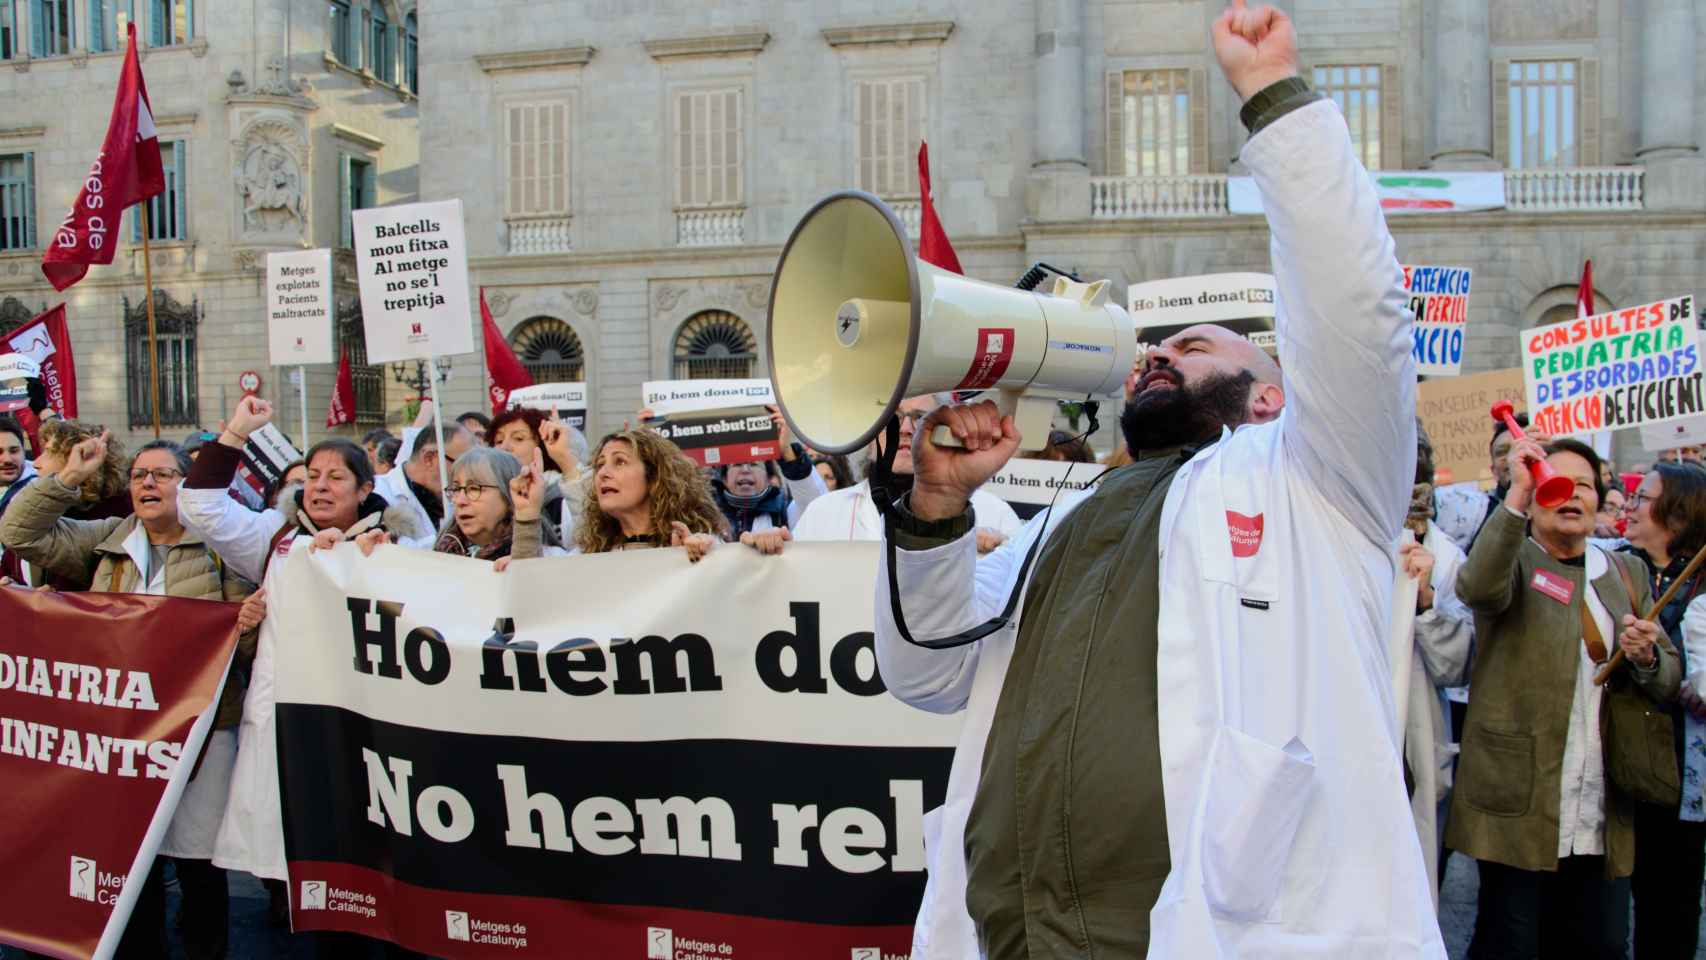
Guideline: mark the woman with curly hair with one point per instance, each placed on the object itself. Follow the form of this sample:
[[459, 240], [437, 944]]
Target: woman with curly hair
[[104, 495], [646, 493]]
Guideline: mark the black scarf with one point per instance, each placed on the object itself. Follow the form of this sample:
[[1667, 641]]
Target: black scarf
[[743, 512]]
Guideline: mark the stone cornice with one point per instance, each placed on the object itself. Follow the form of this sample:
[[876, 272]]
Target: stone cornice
[[714, 45], [921, 31], [535, 59], [22, 133], [357, 137], [176, 119], [762, 256]]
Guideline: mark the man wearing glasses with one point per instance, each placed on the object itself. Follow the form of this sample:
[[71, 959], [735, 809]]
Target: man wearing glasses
[[150, 552]]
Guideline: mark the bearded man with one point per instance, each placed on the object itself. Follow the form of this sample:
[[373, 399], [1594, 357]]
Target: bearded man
[[1193, 751]]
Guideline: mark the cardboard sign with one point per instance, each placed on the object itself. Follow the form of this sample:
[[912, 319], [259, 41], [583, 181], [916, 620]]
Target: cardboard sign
[[1626, 368], [1456, 412], [566, 400], [1241, 302], [1402, 191], [1029, 486], [664, 397], [412, 265], [1439, 297], [299, 308]]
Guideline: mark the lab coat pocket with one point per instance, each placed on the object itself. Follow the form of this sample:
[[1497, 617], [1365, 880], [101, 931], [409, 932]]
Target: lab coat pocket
[[1256, 797]]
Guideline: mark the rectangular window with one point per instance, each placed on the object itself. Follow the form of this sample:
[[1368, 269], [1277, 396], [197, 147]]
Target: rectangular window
[[709, 152], [174, 358], [380, 46], [358, 189], [1542, 116], [167, 211], [108, 20], [50, 28], [1357, 90], [340, 27], [890, 116], [8, 29], [170, 22], [537, 159], [17, 201], [1155, 126], [411, 55]]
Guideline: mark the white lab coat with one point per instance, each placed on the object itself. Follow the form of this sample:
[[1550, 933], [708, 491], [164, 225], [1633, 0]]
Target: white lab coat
[[394, 487], [851, 514], [1288, 825]]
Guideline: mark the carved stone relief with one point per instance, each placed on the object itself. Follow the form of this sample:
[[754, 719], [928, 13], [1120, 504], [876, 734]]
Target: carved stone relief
[[271, 162]]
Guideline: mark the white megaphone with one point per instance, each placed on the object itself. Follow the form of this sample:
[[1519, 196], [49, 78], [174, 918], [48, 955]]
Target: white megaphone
[[858, 323]]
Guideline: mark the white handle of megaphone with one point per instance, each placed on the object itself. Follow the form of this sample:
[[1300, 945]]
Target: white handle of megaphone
[[1032, 412]]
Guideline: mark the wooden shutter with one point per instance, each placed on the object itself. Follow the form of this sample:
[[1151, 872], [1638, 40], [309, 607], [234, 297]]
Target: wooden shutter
[[1199, 120], [179, 198], [1114, 136], [1391, 118], [29, 199], [346, 236], [1588, 113], [370, 183], [1502, 112]]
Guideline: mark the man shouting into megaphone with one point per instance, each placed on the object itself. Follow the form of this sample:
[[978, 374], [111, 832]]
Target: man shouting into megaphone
[[1193, 752]]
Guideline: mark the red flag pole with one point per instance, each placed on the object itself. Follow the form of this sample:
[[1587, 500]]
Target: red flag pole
[[153, 351]]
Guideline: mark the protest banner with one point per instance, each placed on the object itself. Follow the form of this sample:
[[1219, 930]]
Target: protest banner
[[265, 457], [1241, 302], [412, 267], [47, 340], [1626, 368], [16, 372], [102, 698], [299, 308], [715, 422], [1455, 413], [1439, 298], [1029, 486], [497, 773], [566, 400], [1402, 191]]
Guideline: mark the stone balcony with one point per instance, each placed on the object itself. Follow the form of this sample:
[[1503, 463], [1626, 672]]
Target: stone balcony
[[1552, 190], [529, 235], [710, 226]]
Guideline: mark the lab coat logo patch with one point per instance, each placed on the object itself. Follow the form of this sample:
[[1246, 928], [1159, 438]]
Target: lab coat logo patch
[[1246, 533]]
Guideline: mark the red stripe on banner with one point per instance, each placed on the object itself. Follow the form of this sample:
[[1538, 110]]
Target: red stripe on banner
[[447, 923], [1401, 203], [734, 453]]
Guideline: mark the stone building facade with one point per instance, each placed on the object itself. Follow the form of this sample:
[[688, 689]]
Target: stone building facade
[[631, 169], [272, 125]]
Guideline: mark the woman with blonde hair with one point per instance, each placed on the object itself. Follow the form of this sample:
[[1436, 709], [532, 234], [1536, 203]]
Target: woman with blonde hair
[[645, 493]]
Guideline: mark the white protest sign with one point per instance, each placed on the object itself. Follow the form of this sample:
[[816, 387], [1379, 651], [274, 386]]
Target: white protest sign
[[299, 308], [566, 400], [664, 397], [1029, 486], [412, 264], [1439, 297], [1241, 302], [16, 366], [1634, 367], [1688, 432]]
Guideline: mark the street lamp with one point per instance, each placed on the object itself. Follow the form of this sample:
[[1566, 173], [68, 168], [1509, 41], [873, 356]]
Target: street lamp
[[416, 379]]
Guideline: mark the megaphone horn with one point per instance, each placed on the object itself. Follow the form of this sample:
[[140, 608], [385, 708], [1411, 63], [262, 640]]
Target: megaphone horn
[[858, 323]]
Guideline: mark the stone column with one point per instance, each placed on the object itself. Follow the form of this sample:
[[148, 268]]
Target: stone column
[[1058, 187], [1670, 146], [1462, 86]]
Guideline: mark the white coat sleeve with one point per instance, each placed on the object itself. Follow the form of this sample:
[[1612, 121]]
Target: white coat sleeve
[[801, 493], [1342, 319], [944, 590], [1445, 633], [239, 535], [1694, 643]]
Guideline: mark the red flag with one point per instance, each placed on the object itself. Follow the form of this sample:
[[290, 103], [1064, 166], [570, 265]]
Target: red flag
[[503, 371], [1584, 291], [127, 171], [933, 245], [47, 341], [342, 408]]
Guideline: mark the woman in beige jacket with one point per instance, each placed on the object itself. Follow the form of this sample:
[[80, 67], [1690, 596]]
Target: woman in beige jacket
[[150, 552]]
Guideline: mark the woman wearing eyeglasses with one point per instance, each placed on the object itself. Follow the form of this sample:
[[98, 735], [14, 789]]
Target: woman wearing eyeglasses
[[482, 518], [150, 552]]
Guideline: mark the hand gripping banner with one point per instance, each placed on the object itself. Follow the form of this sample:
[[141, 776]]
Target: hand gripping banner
[[102, 698], [622, 755]]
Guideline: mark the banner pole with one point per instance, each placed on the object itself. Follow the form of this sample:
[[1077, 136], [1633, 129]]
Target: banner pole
[[438, 433], [302, 394], [153, 350]]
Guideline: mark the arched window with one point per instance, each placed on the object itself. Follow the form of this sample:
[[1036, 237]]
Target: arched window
[[550, 350], [1558, 314], [175, 353], [411, 54], [368, 379], [712, 345]]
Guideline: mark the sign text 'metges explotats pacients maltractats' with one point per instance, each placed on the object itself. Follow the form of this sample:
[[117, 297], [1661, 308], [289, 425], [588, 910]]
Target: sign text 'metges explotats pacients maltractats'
[[715, 422], [299, 307], [1626, 368], [495, 773]]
